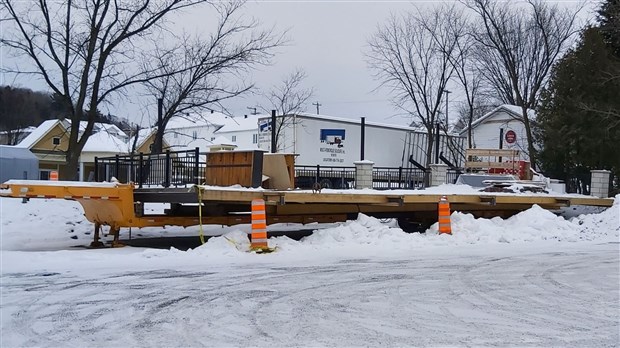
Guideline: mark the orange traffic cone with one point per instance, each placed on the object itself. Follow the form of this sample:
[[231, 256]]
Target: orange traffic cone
[[444, 216], [259, 226]]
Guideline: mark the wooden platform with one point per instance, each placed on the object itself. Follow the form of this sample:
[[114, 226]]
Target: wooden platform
[[119, 205]]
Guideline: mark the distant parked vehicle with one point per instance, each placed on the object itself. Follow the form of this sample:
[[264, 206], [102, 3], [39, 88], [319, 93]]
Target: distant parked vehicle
[[483, 180]]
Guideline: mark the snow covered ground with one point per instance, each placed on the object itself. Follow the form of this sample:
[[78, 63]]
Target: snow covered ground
[[532, 280]]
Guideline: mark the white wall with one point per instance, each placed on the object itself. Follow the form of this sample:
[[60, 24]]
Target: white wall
[[486, 134], [383, 145], [242, 138]]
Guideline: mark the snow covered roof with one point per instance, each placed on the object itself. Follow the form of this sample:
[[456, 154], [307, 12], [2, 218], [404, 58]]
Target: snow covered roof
[[38, 133], [143, 135], [105, 137], [239, 124], [511, 109], [105, 142], [216, 119], [25, 130], [357, 121], [16, 152]]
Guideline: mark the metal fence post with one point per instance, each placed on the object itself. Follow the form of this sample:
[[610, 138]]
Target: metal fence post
[[167, 169], [196, 164], [140, 169], [318, 171], [131, 169], [400, 177], [96, 169], [117, 169]]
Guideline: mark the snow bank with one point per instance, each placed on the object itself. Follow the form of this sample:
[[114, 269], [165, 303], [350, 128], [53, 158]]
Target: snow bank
[[58, 224]]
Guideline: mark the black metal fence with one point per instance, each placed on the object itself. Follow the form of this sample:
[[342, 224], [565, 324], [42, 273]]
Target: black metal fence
[[172, 168], [387, 178], [182, 168], [327, 176]]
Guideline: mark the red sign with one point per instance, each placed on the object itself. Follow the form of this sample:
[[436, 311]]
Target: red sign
[[510, 137]]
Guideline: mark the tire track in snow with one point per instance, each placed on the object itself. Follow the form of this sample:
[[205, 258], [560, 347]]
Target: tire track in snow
[[560, 299]]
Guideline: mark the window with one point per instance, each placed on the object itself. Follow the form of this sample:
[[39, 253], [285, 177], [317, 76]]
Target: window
[[234, 138], [254, 138], [56, 140], [195, 135]]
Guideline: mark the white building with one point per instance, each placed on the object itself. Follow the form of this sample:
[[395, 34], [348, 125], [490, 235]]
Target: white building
[[241, 131], [335, 141], [191, 131], [507, 121]]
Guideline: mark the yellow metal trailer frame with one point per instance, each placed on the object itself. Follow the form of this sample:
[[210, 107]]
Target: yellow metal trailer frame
[[120, 205]]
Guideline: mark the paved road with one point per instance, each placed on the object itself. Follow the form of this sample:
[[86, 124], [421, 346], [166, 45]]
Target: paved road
[[567, 298]]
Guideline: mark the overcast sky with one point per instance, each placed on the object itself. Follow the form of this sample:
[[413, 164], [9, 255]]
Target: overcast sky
[[328, 41]]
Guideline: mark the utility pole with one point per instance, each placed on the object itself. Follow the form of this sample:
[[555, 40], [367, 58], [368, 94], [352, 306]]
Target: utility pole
[[317, 107]]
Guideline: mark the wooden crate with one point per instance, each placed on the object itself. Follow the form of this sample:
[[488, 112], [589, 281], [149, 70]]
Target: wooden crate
[[226, 168], [280, 168]]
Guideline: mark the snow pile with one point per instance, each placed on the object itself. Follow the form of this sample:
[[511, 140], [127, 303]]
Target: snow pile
[[58, 224]]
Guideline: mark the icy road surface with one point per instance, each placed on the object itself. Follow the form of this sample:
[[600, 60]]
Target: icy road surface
[[543, 295]]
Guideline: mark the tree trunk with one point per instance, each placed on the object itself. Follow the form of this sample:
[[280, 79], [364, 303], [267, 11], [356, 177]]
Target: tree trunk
[[70, 170], [530, 140], [429, 147]]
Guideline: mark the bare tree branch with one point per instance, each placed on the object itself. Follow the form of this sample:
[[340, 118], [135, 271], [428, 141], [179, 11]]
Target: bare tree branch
[[517, 47], [411, 56], [84, 51], [288, 99], [197, 74]]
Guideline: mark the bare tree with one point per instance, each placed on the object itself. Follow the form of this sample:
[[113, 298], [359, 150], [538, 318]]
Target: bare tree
[[84, 50], [469, 77], [288, 99], [517, 47], [411, 55], [198, 74]]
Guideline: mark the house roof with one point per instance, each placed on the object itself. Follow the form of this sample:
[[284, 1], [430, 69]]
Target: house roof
[[511, 109], [356, 121], [239, 124], [38, 133], [16, 152], [104, 142], [104, 138], [216, 119], [143, 135]]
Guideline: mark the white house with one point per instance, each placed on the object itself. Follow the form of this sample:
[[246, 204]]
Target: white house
[[241, 131], [507, 121], [191, 131]]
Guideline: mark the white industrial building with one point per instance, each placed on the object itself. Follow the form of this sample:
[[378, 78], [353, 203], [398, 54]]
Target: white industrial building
[[334, 141]]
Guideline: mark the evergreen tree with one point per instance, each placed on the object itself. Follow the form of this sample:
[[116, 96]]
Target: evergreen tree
[[609, 18], [580, 110]]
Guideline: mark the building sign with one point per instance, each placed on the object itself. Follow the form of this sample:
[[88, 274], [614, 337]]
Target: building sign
[[332, 145], [264, 134], [510, 137]]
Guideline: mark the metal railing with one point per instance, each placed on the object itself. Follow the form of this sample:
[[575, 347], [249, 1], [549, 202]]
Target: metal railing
[[328, 176], [172, 168], [389, 178], [452, 175]]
